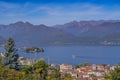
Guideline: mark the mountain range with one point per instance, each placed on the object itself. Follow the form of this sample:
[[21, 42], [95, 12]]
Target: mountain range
[[101, 32]]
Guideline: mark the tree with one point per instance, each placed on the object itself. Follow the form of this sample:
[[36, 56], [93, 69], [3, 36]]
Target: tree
[[1, 65], [114, 74], [79, 65], [104, 65], [55, 75], [41, 68], [68, 77], [10, 59], [92, 76], [27, 69], [86, 64]]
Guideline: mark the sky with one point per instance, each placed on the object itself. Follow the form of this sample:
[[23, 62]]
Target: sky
[[52, 12]]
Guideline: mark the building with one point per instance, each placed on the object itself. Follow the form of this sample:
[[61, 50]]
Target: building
[[65, 67], [26, 61], [2, 54]]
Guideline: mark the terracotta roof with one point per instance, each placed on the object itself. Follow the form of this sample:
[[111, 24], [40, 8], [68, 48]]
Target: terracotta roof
[[66, 64]]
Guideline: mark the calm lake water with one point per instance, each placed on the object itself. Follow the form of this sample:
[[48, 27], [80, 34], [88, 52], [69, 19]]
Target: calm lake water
[[78, 54]]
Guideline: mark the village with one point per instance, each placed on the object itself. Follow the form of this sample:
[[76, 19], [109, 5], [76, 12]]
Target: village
[[81, 72], [93, 72], [88, 72]]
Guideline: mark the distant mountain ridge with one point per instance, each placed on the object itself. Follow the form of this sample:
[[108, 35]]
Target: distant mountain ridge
[[102, 32], [85, 27], [28, 34]]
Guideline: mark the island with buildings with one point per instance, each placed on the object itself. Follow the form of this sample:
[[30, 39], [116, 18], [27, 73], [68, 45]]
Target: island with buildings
[[32, 49]]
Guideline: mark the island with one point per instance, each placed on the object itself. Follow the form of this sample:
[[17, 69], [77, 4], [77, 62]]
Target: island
[[32, 49]]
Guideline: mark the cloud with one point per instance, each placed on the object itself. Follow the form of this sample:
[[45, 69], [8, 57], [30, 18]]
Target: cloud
[[52, 14]]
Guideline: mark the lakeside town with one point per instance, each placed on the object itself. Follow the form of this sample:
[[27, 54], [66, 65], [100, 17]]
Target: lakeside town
[[79, 72], [60, 40], [12, 65]]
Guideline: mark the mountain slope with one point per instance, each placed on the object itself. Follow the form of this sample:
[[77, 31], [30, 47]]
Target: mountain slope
[[90, 28], [83, 32], [28, 34]]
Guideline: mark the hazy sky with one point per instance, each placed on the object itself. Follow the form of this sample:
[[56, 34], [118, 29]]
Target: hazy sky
[[51, 12]]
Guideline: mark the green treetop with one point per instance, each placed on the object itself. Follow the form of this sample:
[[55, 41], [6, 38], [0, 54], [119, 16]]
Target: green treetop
[[41, 68], [113, 74], [86, 64], [10, 59]]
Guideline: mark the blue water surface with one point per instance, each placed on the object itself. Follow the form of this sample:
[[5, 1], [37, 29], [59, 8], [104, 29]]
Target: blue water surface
[[77, 54]]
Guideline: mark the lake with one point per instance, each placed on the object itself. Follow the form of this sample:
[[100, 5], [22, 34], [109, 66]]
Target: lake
[[78, 54]]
